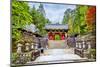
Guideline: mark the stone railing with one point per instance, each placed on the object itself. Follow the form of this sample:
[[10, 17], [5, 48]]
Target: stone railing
[[82, 47], [31, 52], [23, 58]]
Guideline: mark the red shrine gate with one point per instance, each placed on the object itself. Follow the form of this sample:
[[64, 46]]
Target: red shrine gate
[[52, 36], [57, 33]]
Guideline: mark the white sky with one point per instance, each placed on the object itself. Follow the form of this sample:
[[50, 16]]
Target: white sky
[[54, 12]]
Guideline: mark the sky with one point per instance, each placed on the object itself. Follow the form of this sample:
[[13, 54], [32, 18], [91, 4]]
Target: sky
[[54, 12]]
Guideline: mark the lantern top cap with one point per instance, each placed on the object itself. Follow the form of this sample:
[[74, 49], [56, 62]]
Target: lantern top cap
[[27, 44], [19, 45]]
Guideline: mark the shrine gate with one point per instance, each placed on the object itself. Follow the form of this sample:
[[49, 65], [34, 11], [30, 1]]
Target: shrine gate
[[57, 35]]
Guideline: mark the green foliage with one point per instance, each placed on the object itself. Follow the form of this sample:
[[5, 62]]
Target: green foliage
[[76, 20], [39, 20], [64, 20], [20, 17], [93, 52], [57, 37], [66, 16], [14, 57], [80, 22], [69, 19]]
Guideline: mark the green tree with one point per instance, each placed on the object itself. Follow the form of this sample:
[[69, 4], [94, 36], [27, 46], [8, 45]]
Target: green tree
[[20, 18], [66, 16], [76, 20], [39, 19], [69, 19], [80, 22]]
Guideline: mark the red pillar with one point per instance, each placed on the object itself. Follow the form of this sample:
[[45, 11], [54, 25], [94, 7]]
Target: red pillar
[[63, 36], [50, 36]]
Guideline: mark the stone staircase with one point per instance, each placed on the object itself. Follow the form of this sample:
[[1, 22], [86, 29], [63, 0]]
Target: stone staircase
[[57, 44], [58, 51]]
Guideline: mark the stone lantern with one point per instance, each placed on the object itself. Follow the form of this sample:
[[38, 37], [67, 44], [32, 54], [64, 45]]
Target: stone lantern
[[80, 46], [19, 49], [76, 45], [89, 44], [83, 44], [27, 46], [36, 46], [32, 45]]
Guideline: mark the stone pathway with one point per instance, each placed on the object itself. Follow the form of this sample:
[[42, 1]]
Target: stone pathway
[[57, 44], [58, 51], [57, 56]]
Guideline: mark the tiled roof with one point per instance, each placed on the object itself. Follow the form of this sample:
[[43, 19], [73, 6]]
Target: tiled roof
[[56, 26]]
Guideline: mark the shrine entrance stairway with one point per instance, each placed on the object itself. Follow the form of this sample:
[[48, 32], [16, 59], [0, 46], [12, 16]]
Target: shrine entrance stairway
[[57, 44]]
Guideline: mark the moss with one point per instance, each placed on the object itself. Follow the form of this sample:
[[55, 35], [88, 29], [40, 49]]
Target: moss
[[92, 54]]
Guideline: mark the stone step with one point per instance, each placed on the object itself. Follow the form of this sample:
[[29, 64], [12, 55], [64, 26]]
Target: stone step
[[58, 51], [53, 44]]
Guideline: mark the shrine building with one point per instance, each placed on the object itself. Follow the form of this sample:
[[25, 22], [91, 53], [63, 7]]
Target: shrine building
[[57, 35], [56, 31]]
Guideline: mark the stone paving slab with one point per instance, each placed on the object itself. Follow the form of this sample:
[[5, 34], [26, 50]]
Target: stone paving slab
[[59, 51], [52, 44], [57, 55]]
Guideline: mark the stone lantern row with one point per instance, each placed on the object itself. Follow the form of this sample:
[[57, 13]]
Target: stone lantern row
[[83, 44], [27, 47]]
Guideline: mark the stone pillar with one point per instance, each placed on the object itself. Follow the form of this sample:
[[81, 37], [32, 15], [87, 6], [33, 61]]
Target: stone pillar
[[83, 44], [36, 46], [19, 48], [27, 46], [76, 45], [32, 45], [89, 45], [80, 46]]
